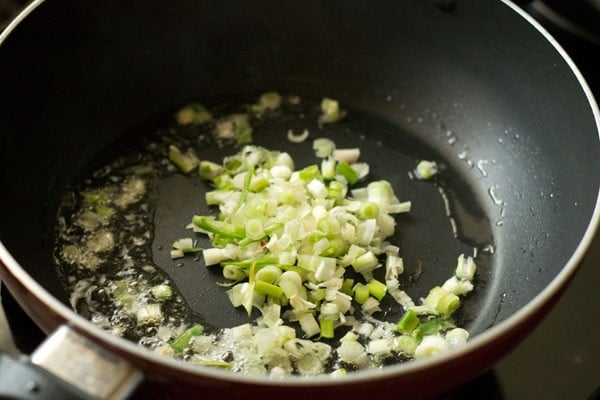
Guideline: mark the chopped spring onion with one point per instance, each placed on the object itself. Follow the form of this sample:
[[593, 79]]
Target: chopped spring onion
[[431, 327], [440, 301], [362, 169], [426, 169], [347, 172], [457, 286], [330, 111], [365, 263], [361, 293], [309, 324], [236, 294], [212, 363], [352, 352], [271, 315], [370, 306], [270, 100], [405, 344], [150, 313], [465, 269], [268, 289], [177, 254], [267, 101], [193, 113], [185, 245], [235, 127], [184, 161], [214, 256], [184, 340], [309, 364], [347, 285], [209, 169], [95, 198], [328, 166], [224, 229], [234, 273], [269, 274], [380, 347], [162, 292], [100, 241], [297, 138], [309, 173], [327, 328], [349, 156], [408, 322], [291, 283], [457, 337], [377, 289], [285, 239], [255, 229], [323, 147], [431, 345], [368, 210]]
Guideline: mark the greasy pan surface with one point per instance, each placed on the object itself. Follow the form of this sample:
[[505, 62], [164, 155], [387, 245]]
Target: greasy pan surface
[[521, 174]]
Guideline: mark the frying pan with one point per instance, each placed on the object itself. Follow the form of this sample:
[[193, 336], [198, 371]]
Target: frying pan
[[520, 171]]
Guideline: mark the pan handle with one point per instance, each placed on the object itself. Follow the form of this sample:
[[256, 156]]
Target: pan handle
[[67, 366], [21, 380]]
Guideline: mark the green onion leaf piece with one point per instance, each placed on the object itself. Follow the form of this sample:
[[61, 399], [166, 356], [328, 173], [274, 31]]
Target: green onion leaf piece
[[327, 328], [347, 172], [183, 341], [268, 289], [361, 293], [184, 161], [408, 322], [430, 327], [377, 289]]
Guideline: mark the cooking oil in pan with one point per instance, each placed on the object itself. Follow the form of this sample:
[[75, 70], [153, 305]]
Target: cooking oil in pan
[[117, 224]]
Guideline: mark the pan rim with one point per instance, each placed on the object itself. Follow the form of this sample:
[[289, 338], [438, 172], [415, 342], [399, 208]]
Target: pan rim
[[491, 335]]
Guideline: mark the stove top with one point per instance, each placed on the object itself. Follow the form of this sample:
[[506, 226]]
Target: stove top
[[561, 358]]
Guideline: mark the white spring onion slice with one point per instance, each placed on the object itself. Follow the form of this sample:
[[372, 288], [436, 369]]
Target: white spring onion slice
[[426, 169], [431, 345], [457, 337], [297, 138]]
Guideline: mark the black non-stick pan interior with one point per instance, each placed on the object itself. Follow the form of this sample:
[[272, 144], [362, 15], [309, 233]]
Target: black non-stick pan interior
[[508, 122], [429, 241]]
